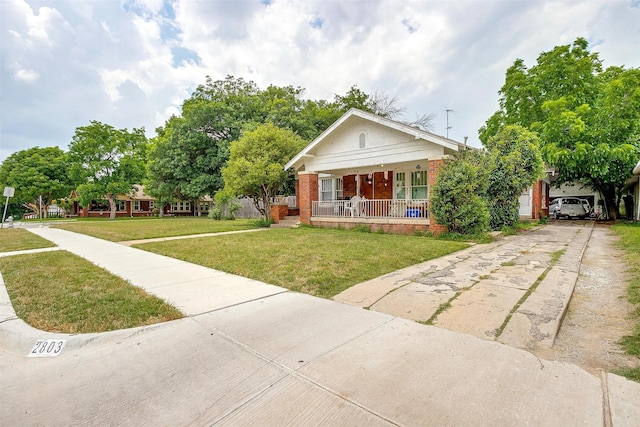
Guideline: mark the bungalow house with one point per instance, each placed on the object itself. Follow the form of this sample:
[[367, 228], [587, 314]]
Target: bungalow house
[[369, 170], [139, 204]]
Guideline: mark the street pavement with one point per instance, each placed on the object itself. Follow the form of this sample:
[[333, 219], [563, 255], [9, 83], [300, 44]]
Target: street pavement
[[250, 353]]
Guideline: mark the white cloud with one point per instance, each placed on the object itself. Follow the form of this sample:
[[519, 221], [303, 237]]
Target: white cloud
[[28, 76], [132, 63]]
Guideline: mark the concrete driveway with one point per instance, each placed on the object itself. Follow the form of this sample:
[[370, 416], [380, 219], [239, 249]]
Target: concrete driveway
[[250, 353], [515, 290]]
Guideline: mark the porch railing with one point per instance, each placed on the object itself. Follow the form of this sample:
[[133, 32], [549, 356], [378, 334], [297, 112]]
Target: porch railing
[[374, 208]]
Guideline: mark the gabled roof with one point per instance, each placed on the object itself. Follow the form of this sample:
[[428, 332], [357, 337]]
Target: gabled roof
[[402, 127]]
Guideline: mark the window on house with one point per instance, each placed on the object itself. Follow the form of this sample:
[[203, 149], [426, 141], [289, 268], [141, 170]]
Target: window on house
[[136, 205], [151, 205], [120, 205], [181, 206], [326, 189], [401, 186], [419, 188], [362, 139]]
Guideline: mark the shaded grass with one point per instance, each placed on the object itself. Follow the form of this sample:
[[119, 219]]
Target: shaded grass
[[17, 239], [630, 242], [119, 230], [60, 292], [320, 262]]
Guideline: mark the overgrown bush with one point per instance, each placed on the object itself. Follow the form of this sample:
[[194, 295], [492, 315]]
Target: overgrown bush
[[480, 189], [457, 200]]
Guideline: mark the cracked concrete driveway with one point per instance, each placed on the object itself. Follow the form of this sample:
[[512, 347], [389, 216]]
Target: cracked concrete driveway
[[515, 290]]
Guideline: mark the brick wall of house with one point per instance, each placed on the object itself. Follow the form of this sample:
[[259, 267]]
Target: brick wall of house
[[540, 198], [433, 169], [308, 192], [536, 200], [278, 212]]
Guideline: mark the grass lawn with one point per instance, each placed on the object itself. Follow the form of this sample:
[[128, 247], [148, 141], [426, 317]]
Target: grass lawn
[[60, 292], [17, 239], [320, 262], [630, 243], [122, 229]]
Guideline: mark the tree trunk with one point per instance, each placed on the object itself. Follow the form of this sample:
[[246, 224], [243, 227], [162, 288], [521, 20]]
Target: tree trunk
[[256, 202], [612, 207], [112, 206]]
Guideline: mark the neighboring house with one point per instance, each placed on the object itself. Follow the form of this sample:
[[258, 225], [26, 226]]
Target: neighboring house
[[140, 204], [633, 185], [369, 170]]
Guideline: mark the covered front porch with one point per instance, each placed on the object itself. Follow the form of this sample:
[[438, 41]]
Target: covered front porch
[[392, 198]]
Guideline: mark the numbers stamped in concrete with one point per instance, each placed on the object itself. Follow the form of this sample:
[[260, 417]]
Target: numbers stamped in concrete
[[47, 348]]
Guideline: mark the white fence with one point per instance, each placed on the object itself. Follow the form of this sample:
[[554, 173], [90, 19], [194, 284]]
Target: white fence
[[374, 208]]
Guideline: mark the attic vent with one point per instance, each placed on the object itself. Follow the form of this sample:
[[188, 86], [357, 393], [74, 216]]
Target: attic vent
[[363, 140]]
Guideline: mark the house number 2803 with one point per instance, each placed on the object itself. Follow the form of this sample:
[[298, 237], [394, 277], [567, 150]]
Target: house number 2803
[[47, 348]]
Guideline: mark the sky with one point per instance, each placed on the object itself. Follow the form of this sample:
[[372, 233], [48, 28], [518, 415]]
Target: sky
[[132, 63]]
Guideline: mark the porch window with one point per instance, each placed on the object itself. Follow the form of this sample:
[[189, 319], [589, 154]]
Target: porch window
[[326, 189], [331, 189], [120, 205], [401, 186], [419, 188], [151, 205], [136, 205]]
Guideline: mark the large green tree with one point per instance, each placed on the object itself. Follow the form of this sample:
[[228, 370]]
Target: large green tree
[[256, 164], [37, 172], [588, 119], [105, 162]]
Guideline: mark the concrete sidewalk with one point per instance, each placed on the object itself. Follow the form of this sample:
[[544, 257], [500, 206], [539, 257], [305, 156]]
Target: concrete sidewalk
[[254, 354]]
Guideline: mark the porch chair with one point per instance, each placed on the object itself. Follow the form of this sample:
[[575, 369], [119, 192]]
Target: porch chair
[[353, 206]]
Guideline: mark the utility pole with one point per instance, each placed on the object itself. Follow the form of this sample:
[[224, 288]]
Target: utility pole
[[448, 127]]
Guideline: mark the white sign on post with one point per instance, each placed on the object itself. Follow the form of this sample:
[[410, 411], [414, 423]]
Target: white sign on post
[[9, 191]]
